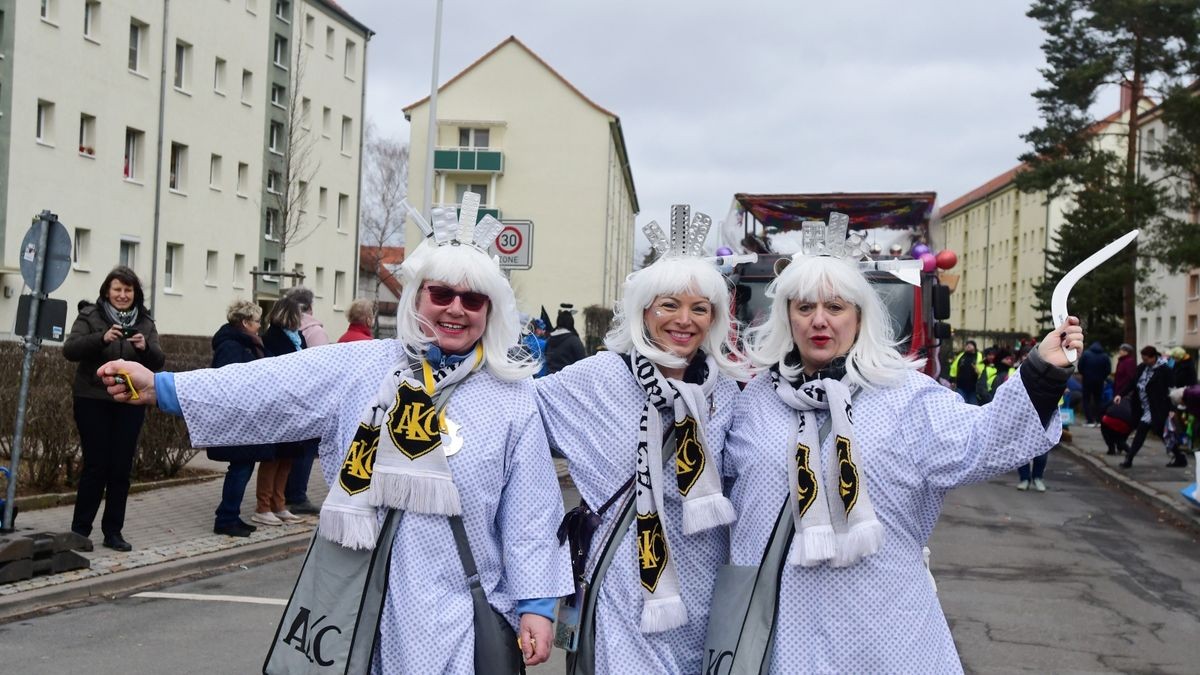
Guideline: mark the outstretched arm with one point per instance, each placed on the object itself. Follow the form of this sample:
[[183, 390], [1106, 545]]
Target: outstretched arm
[[117, 377]]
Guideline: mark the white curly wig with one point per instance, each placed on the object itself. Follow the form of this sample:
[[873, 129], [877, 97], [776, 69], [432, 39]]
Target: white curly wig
[[668, 276], [464, 265], [873, 359]]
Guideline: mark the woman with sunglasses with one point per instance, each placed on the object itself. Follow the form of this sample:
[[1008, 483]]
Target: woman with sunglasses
[[662, 393], [448, 410]]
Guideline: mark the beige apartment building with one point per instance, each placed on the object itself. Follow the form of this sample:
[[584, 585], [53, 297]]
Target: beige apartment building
[[157, 132], [1001, 236], [514, 130]]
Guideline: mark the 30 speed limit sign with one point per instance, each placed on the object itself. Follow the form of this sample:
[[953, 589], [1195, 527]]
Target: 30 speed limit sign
[[514, 245]]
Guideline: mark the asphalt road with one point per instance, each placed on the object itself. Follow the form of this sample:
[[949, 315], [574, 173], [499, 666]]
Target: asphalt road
[[1079, 579]]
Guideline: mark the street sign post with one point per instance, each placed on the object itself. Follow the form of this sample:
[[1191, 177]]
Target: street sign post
[[514, 245]]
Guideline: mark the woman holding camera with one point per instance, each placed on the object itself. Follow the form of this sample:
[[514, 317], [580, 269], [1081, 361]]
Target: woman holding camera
[[116, 326]]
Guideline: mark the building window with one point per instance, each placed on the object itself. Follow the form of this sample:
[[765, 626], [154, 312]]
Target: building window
[[281, 55], [243, 178], [302, 195], [252, 6], [326, 121], [480, 190], [173, 273], [347, 134], [322, 202], [271, 228], [1151, 140], [270, 266], [219, 76], [278, 95], [214, 172], [210, 268], [1193, 286], [247, 86], [127, 254], [343, 212], [137, 34], [87, 134], [473, 138], [351, 63], [1193, 323], [329, 39], [134, 147], [79, 253], [45, 122], [239, 269], [91, 19], [310, 29], [339, 289], [183, 68], [1157, 328], [283, 10], [305, 113], [178, 178], [276, 139], [1173, 327], [273, 182], [319, 282], [46, 7]]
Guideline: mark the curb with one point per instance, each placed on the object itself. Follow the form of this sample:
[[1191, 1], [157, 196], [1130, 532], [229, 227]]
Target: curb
[[1180, 513], [98, 589], [51, 500]]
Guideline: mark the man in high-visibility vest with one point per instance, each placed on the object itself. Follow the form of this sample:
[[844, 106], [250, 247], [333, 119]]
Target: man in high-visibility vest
[[987, 374], [964, 372]]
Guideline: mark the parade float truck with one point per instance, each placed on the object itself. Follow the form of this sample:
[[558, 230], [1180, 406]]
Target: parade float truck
[[894, 229]]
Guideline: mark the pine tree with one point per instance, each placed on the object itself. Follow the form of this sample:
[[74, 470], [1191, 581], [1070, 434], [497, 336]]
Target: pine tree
[[1145, 46]]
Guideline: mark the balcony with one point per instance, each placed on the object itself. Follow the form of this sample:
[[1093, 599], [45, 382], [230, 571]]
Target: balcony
[[468, 160]]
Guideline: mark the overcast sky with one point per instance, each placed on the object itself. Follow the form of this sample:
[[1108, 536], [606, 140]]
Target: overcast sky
[[753, 96]]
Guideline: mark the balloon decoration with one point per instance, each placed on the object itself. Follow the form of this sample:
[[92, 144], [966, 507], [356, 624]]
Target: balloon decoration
[[724, 251], [919, 250], [928, 261], [946, 259]]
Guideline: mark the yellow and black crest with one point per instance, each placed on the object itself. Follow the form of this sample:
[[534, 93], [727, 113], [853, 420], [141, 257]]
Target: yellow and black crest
[[355, 475], [806, 480], [413, 422], [652, 550], [689, 454], [847, 473]]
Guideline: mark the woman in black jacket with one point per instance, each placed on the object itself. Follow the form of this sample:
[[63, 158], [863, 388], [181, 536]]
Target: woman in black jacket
[[1149, 399], [116, 326], [238, 342]]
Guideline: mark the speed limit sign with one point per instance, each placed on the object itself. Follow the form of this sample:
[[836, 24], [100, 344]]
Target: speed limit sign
[[514, 245]]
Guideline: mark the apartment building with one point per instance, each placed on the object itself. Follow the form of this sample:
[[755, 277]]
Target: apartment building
[[514, 130], [159, 133]]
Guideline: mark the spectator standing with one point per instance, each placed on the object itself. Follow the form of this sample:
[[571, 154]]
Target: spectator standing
[[1094, 367], [283, 337], [295, 492], [563, 347], [964, 372], [238, 342], [1126, 369], [1149, 399], [361, 315], [1183, 372], [116, 326], [534, 342]]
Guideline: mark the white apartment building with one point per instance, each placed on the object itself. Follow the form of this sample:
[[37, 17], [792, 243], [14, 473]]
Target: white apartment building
[[155, 130], [514, 130]]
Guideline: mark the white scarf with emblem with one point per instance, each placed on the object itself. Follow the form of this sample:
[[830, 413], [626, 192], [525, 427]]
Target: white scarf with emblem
[[835, 521], [697, 478], [396, 459]]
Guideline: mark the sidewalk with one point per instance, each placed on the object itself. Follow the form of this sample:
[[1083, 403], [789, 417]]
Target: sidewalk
[[1149, 478], [171, 532]]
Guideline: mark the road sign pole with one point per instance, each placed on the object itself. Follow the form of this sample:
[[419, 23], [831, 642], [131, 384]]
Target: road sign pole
[[32, 343]]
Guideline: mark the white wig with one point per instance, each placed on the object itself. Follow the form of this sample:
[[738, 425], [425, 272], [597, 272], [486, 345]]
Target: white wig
[[465, 265], [668, 276], [873, 359]]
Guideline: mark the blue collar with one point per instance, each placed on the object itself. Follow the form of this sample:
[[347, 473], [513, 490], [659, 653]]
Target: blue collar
[[438, 359]]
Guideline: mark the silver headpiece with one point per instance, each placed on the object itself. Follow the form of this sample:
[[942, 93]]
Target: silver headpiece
[[687, 237], [455, 226], [817, 238]]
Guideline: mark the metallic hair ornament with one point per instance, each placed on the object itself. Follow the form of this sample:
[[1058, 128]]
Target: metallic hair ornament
[[687, 237], [449, 228], [837, 241]]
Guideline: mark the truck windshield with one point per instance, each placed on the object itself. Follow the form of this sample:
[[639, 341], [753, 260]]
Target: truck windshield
[[897, 297]]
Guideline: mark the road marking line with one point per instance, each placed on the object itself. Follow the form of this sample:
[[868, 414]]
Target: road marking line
[[212, 598]]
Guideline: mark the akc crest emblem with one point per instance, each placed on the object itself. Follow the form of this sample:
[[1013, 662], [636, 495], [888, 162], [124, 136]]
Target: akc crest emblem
[[806, 482], [847, 473], [652, 550], [689, 454], [413, 422], [355, 475]]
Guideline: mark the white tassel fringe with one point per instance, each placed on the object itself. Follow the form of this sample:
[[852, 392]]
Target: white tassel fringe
[[428, 493], [862, 540], [706, 513], [351, 530], [663, 614], [813, 546]]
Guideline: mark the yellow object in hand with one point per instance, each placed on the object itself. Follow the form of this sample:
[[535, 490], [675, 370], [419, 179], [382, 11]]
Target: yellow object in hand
[[124, 378]]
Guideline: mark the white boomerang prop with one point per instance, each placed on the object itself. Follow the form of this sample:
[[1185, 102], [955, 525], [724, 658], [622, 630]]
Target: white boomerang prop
[[1058, 300]]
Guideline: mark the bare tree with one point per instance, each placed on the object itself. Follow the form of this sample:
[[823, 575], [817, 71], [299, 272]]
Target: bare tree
[[385, 185], [293, 170]]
